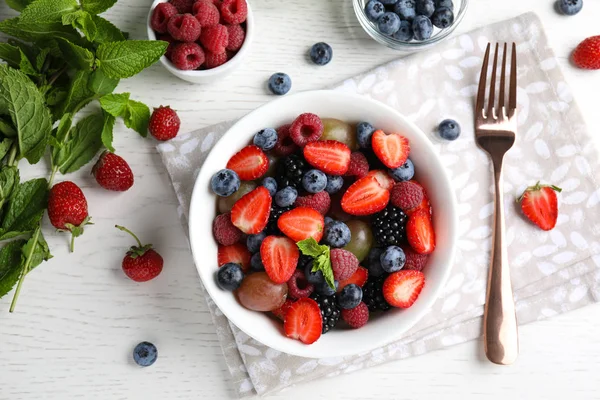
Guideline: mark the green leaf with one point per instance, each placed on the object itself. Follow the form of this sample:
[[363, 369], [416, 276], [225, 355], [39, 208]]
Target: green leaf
[[115, 104], [137, 116], [10, 265], [9, 178], [18, 5], [84, 144], [97, 6], [77, 56], [101, 84], [82, 21], [310, 247], [125, 59], [10, 54], [321, 258], [55, 96], [40, 253], [21, 99], [26, 66], [7, 129], [25, 208], [40, 59], [5, 147], [107, 32], [32, 31], [78, 95], [107, 131], [43, 11]]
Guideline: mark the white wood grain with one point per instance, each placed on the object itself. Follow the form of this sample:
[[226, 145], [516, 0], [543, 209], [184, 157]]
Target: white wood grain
[[78, 317]]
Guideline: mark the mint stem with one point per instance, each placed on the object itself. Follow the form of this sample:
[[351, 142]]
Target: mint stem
[[131, 233], [36, 236], [12, 155]]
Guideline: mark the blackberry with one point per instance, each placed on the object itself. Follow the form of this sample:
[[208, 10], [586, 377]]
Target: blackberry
[[373, 294], [330, 311], [389, 226], [290, 171], [274, 215]]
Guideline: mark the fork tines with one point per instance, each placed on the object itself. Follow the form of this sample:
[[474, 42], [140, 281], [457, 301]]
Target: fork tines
[[501, 110]]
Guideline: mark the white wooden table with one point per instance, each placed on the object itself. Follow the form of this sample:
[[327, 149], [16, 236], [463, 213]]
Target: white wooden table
[[78, 317]]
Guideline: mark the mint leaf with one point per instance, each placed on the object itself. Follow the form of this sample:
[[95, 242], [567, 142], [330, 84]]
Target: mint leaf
[[21, 99], [40, 253], [43, 11], [7, 129], [310, 247], [115, 104], [55, 96], [9, 178], [76, 56], [101, 84], [5, 147], [78, 95], [107, 131], [137, 117], [18, 5], [32, 31], [82, 21], [10, 265], [125, 59], [321, 258], [84, 144], [10, 54], [57, 140], [26, 66], [107, 32], [97, 6], [25, 208]]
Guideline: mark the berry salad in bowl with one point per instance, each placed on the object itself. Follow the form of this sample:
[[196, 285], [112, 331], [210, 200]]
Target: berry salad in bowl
[[323, 224]]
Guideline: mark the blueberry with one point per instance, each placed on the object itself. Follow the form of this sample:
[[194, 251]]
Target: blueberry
[[392, 259], [570, 7], [405, 172], [336, 234], [270, 184], [225, 183], [316, 278], [324, 289], [280, 83], [286, 196], [145, 354], [350, 296], [449, 129], [328, 220], [444, 3], [389, 23], [364, 132], [405, 33], [253, 242], [374, 10], [422, 27], [425, 7], [229, 276], [266, 138], [406, 9], [321, 53], [374, 262], [314, 181], [443, 17], [256, 263], [334, 184]]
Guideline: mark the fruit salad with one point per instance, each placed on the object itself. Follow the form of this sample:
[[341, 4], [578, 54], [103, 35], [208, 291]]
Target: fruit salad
[[321, 221]]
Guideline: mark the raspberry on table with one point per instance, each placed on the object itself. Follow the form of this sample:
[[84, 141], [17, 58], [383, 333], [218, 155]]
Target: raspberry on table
[[206, 13], [184, 27], [224, 231], [306, 128], [161, 15], [215, 38], [359, 166], [298, 286], [183, 6], [187, 56], [237, 35], [284, 145], [234, 11], [214, 60], [356, 317]]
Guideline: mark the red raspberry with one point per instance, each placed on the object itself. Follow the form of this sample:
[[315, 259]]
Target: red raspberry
[[206, 13], [214, 60], [284, 146], [406, 195], [183, 6], [343, 263], [164, 123], [224, 231], [306, 128], [319, 201], [234, 11], [587, 53], [161, 15], [186, 56], [184, 27], [298, 287], [112, 172], [356, 317], [215, 38], [281, 311], [236, 37], [172, 42], [414, 260], [359, 166]]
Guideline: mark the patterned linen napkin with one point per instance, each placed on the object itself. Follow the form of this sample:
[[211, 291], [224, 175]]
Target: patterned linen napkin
[[552, 272]]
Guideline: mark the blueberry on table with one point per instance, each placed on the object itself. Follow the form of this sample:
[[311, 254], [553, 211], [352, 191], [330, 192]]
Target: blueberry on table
[[230, 276], [334, 184], [406, 9], [225, 183], [389, 23], [405, 33], [314, 181], [145, 354], [422, 27], [271, 184], [350, 296], [443, 17], [449, 129], [570, 7], [364, 132], [374, 10], [392, 259], [425, 7], [405, 172], [321, 53], [286, 196], [336, 234], [265, 139], [280, 83]]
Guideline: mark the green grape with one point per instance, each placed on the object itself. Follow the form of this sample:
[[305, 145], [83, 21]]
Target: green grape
[[224, 204], [361, 240], [334, 129]]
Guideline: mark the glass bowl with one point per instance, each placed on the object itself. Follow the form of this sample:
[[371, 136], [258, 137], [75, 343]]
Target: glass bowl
[[460, 8]]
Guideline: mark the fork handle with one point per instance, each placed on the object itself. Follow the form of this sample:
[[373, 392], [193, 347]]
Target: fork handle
[[499, 319]]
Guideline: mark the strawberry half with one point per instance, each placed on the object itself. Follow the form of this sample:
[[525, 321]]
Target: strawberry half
[[540, 205], [302, 223], [249, 163], [303, 321], [386, 181], [402, 288], [280, 257], [282, 311], [365, 197], [330, 156], [392, 150], [420, 233], [236, 253], [250, 213], [358, 278]]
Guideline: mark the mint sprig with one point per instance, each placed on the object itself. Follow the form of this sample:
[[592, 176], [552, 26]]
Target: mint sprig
[[321, 258]]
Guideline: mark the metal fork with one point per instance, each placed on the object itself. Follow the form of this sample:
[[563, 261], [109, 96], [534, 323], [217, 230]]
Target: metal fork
[[495, 131]]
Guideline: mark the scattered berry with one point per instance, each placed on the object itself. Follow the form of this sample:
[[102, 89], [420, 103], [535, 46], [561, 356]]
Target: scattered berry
[[374, 10], [249, 163], [306, 128], [405, 172], [392, 259], [237, 35], [587, 53], [392, 150], [303, 321], [164, 123], [286, 196], [314, 181], [407, 195], [384, 180], [388, 23], [570, 7], [298, 286], [265, 138], [161, 15], [301, 223], [443, 17], [330, 312], [420, 233], [68, 209], [183, 6], [321, 53], [337, 234], [449, 129], [214, 60], [112, 172], [334, 184], [356, 317], [256, 262], [214, 38], [425, 7], [141, 263], [225, 182], [281, 312], [402, 288], [329, 156], [389, 226], [359, 166], [206, 13], [540, 205], [343, 263], [414, 260], [364, 132], [251, 212], [319, 201], [271, 185], [230, 276], [422, 27], [224, 231], [358, 278], [253, 242], [350, 296], [234, 11], [184, 27], [284, 146], [236, 253], [280, 258], [406, 9], [365, 197], [280, 83], [405, 32], [145, 353]]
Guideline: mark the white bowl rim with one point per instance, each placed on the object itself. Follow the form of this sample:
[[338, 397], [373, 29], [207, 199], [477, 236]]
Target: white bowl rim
[[365, 346]]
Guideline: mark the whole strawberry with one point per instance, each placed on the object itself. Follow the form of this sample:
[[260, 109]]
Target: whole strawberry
[[540, 205], [141, 263], [587, 53], [112, 172], [67, 209], [164, 123]]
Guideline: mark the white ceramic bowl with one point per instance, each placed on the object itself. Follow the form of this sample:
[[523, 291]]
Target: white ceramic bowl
[[209, 75], [383, 329]]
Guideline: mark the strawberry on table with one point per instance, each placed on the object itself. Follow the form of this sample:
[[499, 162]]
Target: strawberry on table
[[329, 156], [164, 123], [141, 263], [392, 149], [365, 197], [67, 209], [280, 257], [302, 223], [420, 233], [249, 163], [250, 213], [236, 253], [402, 288], [303, 321], [112, 172], [587, 54], [540, 205]]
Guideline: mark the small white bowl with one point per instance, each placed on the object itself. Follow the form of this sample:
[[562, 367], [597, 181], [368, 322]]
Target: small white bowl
[[208, 75], [386, 327]]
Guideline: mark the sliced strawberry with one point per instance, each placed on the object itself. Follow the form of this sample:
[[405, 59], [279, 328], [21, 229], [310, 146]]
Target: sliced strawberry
[[301, 223], [358, 278], [419, 232], [330, 156], [365, 197], [392, 150], [383, 178], [282, 311], [251, 212], [280, 257], [402, 288], [249, 163], [236, 253], [540, 205], [303, 321]]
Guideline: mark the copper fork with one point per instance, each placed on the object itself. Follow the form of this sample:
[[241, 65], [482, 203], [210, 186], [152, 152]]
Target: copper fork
[[495, 131]]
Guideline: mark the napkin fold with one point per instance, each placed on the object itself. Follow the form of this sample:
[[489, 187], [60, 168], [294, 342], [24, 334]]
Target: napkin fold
[[552, 272]]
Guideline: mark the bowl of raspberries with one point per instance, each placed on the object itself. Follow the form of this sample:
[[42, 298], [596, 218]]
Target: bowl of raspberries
[[207, 38], [323, 224]]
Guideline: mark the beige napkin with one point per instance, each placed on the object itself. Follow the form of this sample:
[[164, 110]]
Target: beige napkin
[[552, 272]]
